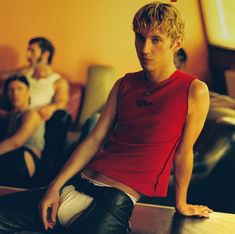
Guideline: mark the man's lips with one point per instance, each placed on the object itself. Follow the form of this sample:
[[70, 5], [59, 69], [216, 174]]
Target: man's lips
[[146, 60]]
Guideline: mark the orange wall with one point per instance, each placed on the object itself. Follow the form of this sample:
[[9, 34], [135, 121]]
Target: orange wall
[[88, 32]]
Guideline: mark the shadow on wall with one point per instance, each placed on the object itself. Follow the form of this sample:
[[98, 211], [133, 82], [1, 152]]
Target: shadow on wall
[[8, 58]]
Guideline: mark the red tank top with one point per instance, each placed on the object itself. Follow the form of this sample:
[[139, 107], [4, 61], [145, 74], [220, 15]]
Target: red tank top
[[150, 118]]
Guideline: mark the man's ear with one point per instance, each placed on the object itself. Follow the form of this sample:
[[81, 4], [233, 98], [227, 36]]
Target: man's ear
[[177, 44], [45, 55]]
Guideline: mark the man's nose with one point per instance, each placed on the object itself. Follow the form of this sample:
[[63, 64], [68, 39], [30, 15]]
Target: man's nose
[[15, 93], [146, 47]]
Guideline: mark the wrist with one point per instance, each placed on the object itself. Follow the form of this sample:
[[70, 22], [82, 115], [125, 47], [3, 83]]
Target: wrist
[[54, 186], [180, 206], [180, 196], [56, 105], [180, 200]]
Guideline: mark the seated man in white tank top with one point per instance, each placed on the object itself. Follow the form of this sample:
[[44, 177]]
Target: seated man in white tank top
[[49, 92]]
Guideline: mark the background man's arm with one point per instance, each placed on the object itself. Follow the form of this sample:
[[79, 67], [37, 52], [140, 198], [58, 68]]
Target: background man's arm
[[30, 123], [60, 99], [198, 105], [61, 96]]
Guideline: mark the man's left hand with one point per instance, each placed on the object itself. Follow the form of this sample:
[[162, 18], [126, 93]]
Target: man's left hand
[[195, 210]]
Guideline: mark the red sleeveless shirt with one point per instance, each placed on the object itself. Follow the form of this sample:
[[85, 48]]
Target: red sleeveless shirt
[[150, 121]]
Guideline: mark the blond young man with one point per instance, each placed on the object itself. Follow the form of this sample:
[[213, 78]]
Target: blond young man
[[160, 112]]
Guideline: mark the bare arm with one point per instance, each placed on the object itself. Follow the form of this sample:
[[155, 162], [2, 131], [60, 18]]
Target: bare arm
[[61, 96], [79, 159], [60, 99], [31, 121], [198, 105], [86, 151]]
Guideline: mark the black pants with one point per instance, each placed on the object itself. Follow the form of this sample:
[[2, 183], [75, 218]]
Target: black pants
[[109, 212], [19, 212], [13, 169]]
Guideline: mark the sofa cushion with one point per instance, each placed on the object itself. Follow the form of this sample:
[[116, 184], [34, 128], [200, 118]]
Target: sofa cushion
[[99, 83], [76, 92]]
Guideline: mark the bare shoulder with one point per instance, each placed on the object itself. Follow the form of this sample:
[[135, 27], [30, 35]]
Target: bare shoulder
[[115, 87], [18, 71], [198, 89], [112, 98], [61, 85], [117, 83], [199, 99], [24, 70], [61, 81]]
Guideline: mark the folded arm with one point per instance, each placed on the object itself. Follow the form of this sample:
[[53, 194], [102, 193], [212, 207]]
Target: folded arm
[[60, 99], [30, 122]]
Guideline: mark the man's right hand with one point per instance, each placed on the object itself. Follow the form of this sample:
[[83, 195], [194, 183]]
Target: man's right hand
[[49, 208]]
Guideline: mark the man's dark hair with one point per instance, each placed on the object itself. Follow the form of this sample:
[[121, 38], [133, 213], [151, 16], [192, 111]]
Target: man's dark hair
[[6, 103], [12, 78], [45, 45]]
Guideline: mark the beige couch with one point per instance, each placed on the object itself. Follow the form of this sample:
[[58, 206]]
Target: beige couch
[[100, 79]]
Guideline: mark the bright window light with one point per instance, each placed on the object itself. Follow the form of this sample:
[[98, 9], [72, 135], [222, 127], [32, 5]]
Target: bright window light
[[219, 18]]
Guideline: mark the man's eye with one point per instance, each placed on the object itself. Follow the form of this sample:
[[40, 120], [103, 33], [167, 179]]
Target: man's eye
[[155, 40], [139, 38]]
